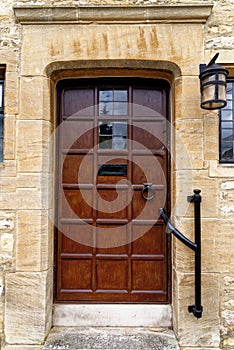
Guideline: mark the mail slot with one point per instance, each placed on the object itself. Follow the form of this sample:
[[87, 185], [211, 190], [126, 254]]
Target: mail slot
[[112, 170]]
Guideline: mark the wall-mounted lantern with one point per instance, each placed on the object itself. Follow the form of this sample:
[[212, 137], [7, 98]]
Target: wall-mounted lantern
[[213, 85], [213, 96]]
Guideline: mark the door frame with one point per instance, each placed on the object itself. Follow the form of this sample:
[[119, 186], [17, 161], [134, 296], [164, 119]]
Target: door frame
[[162, 75]]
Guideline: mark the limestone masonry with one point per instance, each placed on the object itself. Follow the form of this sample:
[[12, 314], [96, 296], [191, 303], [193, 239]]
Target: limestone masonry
[[42, 42]]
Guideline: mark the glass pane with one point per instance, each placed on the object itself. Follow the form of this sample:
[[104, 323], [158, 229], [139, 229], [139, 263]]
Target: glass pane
[[227, 134], [121, 95], [113, 135], [120, 108], [1, 126], [229, 92], [120, 129], [229, 104], [226, 114], [105, 142], [113, 102], [105, 95], [227, 125], [1, 137], [1, 95], [105, 128], [1, 149], [105, 108], [227, 151]]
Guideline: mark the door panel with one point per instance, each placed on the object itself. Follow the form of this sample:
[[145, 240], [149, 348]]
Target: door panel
[[111, 245]]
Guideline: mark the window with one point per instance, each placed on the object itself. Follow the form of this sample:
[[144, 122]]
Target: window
[[1, 118], [226, 127]]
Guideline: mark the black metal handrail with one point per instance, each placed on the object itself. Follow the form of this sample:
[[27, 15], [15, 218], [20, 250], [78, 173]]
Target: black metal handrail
[[196, 309]]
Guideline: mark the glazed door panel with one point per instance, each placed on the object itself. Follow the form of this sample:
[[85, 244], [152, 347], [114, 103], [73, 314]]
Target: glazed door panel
[[112, 179]]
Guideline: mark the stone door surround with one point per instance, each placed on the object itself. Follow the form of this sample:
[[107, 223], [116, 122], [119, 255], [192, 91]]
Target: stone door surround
[[91, 39]]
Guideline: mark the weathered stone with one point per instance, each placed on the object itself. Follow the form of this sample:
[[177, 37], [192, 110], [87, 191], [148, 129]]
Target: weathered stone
[[188, 132], [31, 145], [141, 43], [11, 105], [28, 296], [205, 331], [186, 182], [171, 41], [37, 104], [32, 244], [22, 347], [110, 338], [9, 134]]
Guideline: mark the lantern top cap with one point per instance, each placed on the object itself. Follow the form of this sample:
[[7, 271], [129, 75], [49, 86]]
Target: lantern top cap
[[213, 67]]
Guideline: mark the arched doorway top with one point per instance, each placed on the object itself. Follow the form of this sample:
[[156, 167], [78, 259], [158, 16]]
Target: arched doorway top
[[98, 68]]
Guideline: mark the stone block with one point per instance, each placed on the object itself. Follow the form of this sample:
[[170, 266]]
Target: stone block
[[22, 347], [26, 317], [192, 332], [203, 348], [42, 45], [211, 136], [7, 221], [187, 98], [220, 170], [6, 243], [32, 241], [11, 93], [217, 238], [226, 199], [9, 137], [8, 201], [8, 168], [227, 307], [183, 257], [189, 135], [185, 183], [31, 146], [7, 185], [35, 98]]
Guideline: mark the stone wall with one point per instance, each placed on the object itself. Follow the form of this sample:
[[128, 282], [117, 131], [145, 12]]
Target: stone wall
[[19, 179]]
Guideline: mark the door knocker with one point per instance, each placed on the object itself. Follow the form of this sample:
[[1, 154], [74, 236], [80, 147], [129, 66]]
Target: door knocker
[[148, 192]]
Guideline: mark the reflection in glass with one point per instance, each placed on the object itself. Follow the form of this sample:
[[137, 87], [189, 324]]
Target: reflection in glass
[[1, 137], [226, 114], [227, 151], [113, 102], [226, 127], [113, 135], [1, 95]]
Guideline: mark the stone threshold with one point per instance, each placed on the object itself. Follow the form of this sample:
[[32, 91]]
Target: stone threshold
[[112, 315], [110, 338]]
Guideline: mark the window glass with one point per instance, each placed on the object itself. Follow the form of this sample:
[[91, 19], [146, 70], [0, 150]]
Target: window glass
[[113, 102], [1, 119], [113, 135], [227, 126]]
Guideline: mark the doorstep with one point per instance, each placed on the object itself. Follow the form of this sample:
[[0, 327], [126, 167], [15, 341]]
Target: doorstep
[[112, 315], [110, 338]]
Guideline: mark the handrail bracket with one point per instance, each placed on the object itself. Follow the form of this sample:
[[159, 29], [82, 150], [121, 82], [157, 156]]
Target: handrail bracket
[[196, 198]]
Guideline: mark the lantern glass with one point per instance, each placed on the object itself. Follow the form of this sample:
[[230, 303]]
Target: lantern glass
[[213, 91]]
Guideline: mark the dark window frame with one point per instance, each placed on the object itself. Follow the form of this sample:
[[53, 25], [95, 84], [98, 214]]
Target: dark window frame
[[2, 120], [226, 127]]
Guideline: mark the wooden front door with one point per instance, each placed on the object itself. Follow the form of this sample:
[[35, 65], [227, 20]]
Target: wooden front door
[[112, 179]]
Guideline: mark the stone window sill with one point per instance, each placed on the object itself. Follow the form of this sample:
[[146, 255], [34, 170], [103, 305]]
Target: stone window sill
[[217, 169]]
